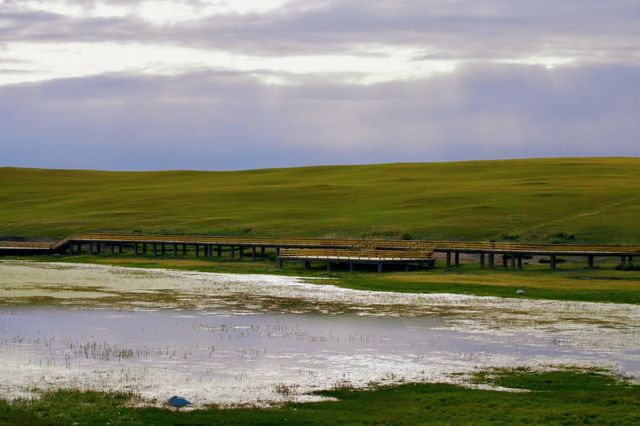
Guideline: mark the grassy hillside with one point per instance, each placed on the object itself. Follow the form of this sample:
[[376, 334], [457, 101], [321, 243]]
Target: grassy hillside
[[593, 199]]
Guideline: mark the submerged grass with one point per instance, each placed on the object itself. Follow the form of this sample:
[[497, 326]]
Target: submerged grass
[[562, 397], [573, 282]]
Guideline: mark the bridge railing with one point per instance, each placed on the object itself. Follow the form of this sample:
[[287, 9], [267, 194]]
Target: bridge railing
[[354, 254], [524, 247]]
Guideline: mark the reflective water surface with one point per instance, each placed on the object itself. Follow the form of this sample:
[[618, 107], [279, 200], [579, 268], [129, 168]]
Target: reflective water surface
[[252, 339]]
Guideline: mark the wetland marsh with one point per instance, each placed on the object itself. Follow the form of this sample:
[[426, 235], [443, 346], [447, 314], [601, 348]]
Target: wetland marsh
[[231, 339]]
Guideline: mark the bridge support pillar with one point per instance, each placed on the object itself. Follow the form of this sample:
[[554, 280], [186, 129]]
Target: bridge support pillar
[[144, 248], [184, 249], [113, 248], [155, 249], [482, 260], [457, 258], [219, 251], [175, 250], [233, 252], [306, 265], [513, 261], [590, 262], [277, 251], [630, 260], [553, 262], [328, 266], [520, 261], [135, 248], [280, 263], [197, 247], [504, 260], [492, 260], [253, 253], [448, 259], [262, 251], [380, 267], [163, 249], [406, 267], [120, 248]]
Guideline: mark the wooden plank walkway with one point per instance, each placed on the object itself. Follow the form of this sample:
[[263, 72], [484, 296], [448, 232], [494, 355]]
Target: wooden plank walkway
[[338, 250]]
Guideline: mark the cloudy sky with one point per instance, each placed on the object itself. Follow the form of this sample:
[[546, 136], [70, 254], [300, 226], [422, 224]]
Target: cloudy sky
[[234, 84]]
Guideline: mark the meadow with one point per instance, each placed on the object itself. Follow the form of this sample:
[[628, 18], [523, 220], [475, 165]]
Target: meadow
[[552, 398], [562, 200]]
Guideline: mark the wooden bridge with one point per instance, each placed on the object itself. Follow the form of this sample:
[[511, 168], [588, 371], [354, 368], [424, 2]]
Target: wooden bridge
[[330, 251]]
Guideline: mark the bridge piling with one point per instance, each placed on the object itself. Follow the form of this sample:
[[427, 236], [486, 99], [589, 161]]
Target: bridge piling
[[457, 258], [553, 262], [492, 260], [590, 262], [482, 260], [448, 260]]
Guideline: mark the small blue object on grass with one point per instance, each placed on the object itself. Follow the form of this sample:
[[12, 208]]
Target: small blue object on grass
[[520, 291], [178, 402]]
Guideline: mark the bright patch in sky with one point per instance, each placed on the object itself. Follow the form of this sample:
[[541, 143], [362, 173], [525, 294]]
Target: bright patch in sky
[[159, 12], [364, 65]]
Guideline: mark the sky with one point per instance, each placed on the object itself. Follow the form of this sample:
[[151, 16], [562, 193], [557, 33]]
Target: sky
[[238, 84]]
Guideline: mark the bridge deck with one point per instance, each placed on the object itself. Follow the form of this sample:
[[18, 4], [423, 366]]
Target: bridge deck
[[326, 249]]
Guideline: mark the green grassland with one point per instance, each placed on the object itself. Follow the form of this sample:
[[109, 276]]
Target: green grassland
[[559, 397], [594, 199]]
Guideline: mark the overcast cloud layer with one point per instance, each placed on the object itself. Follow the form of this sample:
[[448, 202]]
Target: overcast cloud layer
[[229, 84]]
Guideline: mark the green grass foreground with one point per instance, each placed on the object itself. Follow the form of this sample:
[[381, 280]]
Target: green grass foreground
[[566, 397], [570, 282], [591, 199]]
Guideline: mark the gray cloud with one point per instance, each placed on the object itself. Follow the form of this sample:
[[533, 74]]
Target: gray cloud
[[462, 29], [230, 121]]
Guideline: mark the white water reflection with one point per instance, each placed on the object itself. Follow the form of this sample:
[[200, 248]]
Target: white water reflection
[[233, 339]]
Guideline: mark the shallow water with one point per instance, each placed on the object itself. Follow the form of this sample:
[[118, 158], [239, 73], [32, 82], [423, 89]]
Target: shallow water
[[223, 338]]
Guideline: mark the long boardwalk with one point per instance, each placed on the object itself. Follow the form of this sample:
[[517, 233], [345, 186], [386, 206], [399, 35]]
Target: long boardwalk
[[330, 251]]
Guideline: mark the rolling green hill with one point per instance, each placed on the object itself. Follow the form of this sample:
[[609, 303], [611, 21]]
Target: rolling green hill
[[593, 199]]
